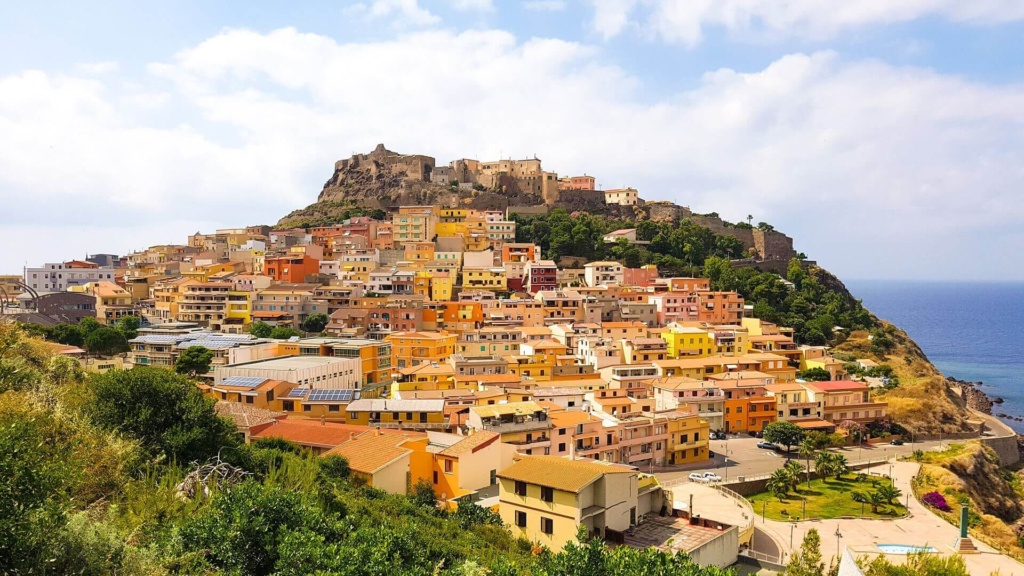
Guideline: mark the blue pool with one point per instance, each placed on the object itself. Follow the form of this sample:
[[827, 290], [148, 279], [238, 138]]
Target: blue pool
[[904, 549]]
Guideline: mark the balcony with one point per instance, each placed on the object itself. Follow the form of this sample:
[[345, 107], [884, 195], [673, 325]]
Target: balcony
[[508, 427]]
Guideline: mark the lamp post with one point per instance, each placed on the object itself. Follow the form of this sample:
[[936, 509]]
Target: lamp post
[[726, 464], [791, 526], [839, 537], [764, 505]]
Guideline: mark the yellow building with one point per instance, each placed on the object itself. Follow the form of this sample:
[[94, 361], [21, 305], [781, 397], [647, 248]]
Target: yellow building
[[425, 376], [687, 342], [494, 279], [436, 286], [412, 348], [404, 414], [545, 498], [688, 436], [419, 251], [414, 224]]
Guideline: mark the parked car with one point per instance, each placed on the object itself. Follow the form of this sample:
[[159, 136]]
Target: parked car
[[714, 436], [896, 442], [704, 477], [767, 445], [711, 453]]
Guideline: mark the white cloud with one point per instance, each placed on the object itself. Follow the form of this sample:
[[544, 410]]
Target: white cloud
[[685, 21], [400, 13], [545, 5], [872, 168], [473, 5], [97, 67], [611, 16]]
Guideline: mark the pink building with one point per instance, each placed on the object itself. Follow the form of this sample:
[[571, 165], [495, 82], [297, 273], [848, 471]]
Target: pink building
[[674, 307], [643, 276]]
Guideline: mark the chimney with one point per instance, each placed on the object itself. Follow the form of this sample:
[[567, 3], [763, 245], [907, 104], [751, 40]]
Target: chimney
[[351, 436]]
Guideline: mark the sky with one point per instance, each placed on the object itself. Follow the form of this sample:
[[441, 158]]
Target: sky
[[887, 138]]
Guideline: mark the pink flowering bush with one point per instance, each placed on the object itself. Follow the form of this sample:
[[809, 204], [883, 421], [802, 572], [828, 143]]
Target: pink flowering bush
[[936, 500]]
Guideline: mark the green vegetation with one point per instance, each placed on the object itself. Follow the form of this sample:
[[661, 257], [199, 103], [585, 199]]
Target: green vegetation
[[675, 249], [76, 334], [315, 322], [260, 329], [194, 361], [106, 342], [831, 498], [284, 332], [111, 474], [920, 564], [815, 375], [327, 213], [807, 562], [783, 433]]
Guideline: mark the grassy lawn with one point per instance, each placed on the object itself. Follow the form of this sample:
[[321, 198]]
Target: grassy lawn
[[825, 500]]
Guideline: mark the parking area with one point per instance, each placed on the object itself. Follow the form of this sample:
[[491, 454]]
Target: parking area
[[739, 456]]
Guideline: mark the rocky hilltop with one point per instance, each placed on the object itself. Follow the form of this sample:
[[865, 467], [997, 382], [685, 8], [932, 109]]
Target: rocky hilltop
[[382, 179]]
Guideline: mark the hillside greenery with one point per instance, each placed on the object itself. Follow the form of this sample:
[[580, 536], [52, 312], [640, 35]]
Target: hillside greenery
[[111, 474], [808, 300]]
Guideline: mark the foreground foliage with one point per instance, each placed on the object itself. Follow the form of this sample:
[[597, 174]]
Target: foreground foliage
[[98, 476]]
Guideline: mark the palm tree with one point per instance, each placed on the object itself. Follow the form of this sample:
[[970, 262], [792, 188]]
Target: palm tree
[[794, 469], [823, 465], [875, 499], [806, 451], [860, 498], [839, 466], [779, 483], [889, 493]]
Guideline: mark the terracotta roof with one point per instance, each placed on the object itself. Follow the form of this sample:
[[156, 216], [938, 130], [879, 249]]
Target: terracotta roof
[[311, 432], [246, 415], [371, 451], [571, 418], [475, 441], [560, 473], [813, 423]]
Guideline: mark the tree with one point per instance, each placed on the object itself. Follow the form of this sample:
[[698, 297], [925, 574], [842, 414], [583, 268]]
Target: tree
[[806, 450], [873, 499], [793, 468], [889, 493], [260, 329], [315, 322], [284, 333], [779, 483], [165, 411], [88, 325], [784, 433], [807, 562], [67, 334], [815, 374], [823, 465], [194, 361], [423, 494], [106, 342], [128, 326], [917, 564]]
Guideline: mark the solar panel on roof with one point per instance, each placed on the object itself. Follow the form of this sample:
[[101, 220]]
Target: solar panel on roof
[[330, 396], [298, 392], [246, 381]]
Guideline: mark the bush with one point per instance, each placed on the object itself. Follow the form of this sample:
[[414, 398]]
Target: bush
[[937, 501]]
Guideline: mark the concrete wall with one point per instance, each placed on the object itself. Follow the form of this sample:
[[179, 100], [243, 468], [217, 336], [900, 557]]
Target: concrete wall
[[720, 552]]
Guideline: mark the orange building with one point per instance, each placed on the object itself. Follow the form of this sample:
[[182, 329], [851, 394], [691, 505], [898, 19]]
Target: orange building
[[719, 307], [291, 269]]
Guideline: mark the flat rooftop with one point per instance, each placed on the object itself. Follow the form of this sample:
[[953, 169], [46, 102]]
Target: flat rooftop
[[291, 363], [670, 534]]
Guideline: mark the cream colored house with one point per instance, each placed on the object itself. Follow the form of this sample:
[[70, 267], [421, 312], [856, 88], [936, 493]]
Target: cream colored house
[[545, 498]]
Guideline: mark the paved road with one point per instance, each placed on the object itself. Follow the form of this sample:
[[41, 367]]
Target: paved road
[[747, 460]]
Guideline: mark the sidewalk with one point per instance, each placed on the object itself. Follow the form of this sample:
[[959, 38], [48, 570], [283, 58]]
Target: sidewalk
[[921, 528]]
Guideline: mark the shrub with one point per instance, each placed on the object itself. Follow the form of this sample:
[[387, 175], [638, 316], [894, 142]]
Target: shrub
[[937, 501]]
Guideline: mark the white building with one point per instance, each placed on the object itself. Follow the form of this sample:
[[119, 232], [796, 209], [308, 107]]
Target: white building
[[605, 273], [622, 197], [62, 275]]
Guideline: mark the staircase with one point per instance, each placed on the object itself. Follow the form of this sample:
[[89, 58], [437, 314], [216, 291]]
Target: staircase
[[965, 546]]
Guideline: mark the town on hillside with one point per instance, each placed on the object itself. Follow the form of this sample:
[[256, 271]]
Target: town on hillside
[[430, 346]]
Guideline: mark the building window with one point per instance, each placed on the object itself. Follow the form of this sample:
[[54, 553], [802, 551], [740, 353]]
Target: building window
[[334, 408], [547, 494], [248, 399], [520, 519], [547, 525], [448, 467], [306, 408], [520, 488], [288, 405]]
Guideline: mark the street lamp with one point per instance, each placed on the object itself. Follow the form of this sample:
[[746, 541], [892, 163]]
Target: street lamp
[[839, 536], [764, 505], [791, 526], [726, 464]]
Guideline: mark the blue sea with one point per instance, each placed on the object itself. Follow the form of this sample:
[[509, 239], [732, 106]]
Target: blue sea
[[970, 331]]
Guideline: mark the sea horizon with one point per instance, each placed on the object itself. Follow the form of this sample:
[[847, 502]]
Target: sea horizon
[[970, 330]]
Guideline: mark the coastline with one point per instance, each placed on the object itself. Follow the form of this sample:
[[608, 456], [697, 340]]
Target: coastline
[[982, 402]]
